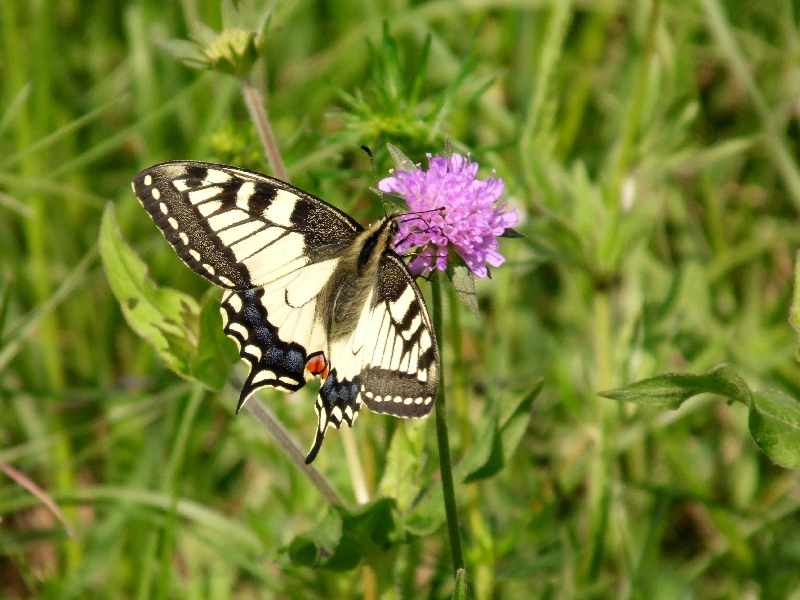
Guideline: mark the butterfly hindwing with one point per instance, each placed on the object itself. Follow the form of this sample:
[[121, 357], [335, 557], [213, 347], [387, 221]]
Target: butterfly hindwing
[[390, 361], [399, 373], [237, 228], [277, 328]]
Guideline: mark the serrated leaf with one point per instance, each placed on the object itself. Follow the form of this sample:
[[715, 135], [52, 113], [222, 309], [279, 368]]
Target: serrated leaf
[[775, 426], [401, 161], [400, 477], [169, 320], [673, 389], [460, 593]]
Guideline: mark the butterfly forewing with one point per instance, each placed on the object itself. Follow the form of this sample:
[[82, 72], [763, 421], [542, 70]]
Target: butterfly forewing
[[237, 228], [309, 291]]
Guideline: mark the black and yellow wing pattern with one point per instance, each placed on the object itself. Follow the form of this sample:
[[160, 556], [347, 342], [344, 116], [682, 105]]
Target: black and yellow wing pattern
[[309, 291]]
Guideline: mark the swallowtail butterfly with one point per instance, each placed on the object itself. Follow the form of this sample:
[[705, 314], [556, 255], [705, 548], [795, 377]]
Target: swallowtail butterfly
[[308, 291]]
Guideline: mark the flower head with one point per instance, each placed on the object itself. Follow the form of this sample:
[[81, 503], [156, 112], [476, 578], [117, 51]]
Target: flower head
[[450, 208]]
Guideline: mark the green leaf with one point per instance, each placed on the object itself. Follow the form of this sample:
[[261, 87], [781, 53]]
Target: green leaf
[[401, 477], [463, 281], [427, 515], [501, 432], [316, 546], [508, 232], [216, 352], [185, 51], [167, 319], [775, 426], [189, 340], [367, 533], [460, 593], [401, 161], [672, 389]]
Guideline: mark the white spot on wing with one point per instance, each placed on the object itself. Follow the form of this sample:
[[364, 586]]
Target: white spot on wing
[[412, 328], [240, 329], [400, 308], [173, 223], [244, 194], [425, 340], [217, 176], [234, 301], [184, 237], [163, 208], [262, 375], [253, 351], [281, 208], [148, 180], [195, 254], [156, 193]]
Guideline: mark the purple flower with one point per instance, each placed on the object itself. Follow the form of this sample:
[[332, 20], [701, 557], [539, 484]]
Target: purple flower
[[450, 208]]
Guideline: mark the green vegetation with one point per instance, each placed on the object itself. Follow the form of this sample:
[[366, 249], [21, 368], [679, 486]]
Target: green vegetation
[[652, 150]]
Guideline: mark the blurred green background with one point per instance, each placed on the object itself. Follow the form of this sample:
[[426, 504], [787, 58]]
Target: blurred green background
[[652, 151]]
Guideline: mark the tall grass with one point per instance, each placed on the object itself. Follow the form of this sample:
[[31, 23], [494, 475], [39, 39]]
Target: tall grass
[[652, 149]]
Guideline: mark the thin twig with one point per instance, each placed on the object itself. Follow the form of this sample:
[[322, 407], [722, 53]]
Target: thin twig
[[281, 436], [43, 496], [258, 112]]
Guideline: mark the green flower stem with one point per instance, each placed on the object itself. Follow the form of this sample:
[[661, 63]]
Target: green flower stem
[[355, 468], [258, 112], [445, 466], [599, 491], [278, 432], [459, 380]]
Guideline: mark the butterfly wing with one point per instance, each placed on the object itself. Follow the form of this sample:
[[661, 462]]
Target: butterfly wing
[[279, 327], [237, 228], [272, 245], [390, 361]]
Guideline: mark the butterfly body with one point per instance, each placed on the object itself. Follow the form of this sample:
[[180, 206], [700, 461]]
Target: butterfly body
[[309, 292]]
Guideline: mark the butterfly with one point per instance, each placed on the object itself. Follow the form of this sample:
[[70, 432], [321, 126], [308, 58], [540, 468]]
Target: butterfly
[[308, 291]]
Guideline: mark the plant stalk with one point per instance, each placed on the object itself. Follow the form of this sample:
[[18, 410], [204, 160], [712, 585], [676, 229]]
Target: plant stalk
[[445, 465], [258, 112]]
